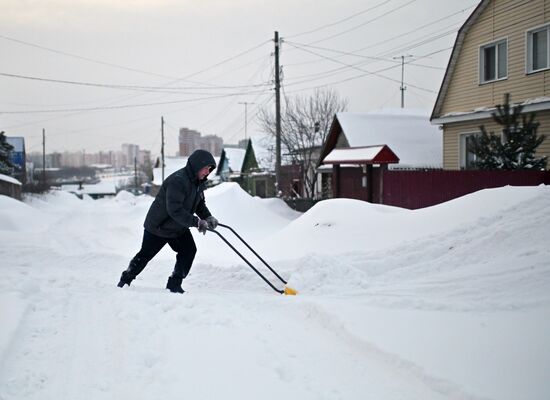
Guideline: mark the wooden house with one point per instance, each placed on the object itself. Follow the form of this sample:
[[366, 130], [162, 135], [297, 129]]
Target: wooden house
[[503, 47]]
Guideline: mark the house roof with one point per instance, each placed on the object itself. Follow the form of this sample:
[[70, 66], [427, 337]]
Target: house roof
[[235, 158], [9, 179], [454, 56], [362, 155], [98, 188], [407, 132]]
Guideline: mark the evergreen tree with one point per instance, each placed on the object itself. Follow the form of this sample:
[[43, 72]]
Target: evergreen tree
[[6, 166], [516, 149]]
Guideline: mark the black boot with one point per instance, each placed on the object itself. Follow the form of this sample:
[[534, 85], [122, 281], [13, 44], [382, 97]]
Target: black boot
[[125, 279], [135, 267], [174, 284]]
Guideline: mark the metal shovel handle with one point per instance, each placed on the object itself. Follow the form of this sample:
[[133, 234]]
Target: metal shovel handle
[[244, 259], [253, 251]]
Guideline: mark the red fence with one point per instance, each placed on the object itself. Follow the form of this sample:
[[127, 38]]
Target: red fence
[[418, 189]]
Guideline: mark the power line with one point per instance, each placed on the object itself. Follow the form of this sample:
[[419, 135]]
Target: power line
[[375, 73], [162, 89], [391, 52], [401, 35], [124, 106], [340, 21], [373, 58], [364, 23], [174, 79], [64, 53]]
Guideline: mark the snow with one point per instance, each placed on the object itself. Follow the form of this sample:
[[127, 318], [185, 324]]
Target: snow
[[103, 187], [9, 179], [446, 302], [408, 132], [235, 158], [355, 154]]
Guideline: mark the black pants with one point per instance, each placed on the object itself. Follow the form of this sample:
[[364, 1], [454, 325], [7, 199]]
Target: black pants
[[183, 245]]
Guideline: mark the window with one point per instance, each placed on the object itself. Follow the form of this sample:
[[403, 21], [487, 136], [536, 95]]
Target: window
[[537, 49], [493, 64], [467, 158]]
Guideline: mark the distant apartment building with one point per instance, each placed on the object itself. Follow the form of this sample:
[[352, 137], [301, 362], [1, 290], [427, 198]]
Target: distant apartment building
[[191, 140], [212, 143], [131, 151]]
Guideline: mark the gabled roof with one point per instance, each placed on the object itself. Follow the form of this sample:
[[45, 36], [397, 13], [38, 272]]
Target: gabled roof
[[454, 56], [407, 132], [362, 155], [235, 158]]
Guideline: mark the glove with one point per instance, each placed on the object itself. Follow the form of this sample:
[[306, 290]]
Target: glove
[[202, 226], [212, 222]]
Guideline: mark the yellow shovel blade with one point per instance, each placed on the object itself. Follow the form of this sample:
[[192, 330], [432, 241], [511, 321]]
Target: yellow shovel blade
[[290, 292]]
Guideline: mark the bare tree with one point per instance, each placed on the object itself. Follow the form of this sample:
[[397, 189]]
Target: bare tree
[[305, 124]]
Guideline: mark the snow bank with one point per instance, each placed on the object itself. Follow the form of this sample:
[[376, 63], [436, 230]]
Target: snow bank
[[343, 225], [447, 302], [18, 216]]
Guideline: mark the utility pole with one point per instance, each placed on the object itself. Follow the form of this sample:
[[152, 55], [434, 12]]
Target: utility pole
[[135, 176], [245, 116], [43, 156], [277, 117], [162, 145], [402, 88]]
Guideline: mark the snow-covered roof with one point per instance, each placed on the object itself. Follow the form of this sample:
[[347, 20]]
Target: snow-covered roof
[[9, 179], [408, 132], [98, 188], [235, 158], [171, 165], [529, 105], [361, 153]]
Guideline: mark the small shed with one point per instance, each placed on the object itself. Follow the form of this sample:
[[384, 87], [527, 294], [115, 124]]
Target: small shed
[[95, 191], [240, 165], [406, 133], [10, 187], [359, 160]]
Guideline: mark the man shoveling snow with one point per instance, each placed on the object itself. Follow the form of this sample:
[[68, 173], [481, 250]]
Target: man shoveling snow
[[170, 217]]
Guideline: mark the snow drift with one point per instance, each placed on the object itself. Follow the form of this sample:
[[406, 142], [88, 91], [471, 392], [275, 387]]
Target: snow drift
[[447, 302]]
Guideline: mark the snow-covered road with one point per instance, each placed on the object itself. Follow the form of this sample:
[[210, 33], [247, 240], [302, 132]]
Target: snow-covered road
[[450, 302]]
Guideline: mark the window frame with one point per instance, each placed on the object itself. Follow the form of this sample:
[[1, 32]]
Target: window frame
[[462, 149], [529, 48], [481, 60]]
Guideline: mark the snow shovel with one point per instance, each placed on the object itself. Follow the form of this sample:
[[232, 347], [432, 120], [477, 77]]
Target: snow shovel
[[287, 290]]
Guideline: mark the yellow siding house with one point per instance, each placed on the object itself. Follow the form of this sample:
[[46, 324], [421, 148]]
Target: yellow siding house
[[503, 47]]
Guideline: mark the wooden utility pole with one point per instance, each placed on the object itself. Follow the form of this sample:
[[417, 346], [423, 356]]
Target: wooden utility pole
[[43, 156], [162, 145], [277, 117]]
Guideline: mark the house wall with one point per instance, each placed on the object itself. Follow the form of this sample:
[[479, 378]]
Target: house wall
[[10, 189], [452, 132], [501, 19]]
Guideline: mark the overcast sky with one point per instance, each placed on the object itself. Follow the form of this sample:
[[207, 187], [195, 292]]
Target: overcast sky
[[194, 61]]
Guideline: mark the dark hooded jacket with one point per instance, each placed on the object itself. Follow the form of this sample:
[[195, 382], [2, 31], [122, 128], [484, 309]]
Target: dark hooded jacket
[[179, 198]]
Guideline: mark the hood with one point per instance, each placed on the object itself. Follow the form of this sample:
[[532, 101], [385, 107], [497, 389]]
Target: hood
[[200, 159]]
